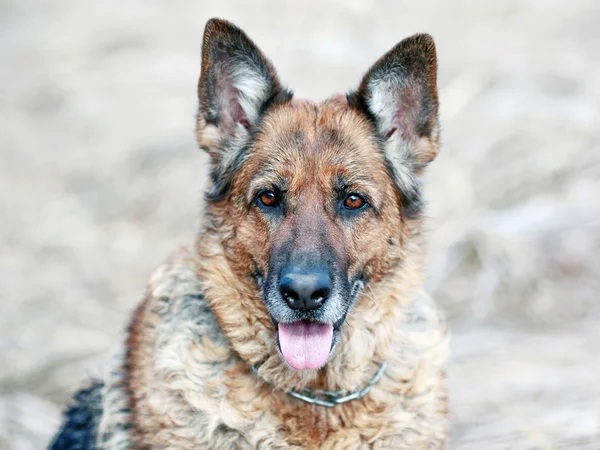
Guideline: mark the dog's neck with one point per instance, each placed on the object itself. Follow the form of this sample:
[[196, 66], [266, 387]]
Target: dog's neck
[[374, 331]]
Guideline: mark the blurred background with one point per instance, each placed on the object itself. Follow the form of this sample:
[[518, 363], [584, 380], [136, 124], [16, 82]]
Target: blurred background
[[100, 179]]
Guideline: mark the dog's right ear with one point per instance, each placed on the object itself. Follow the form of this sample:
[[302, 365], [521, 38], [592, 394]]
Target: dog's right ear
[[237, 85], [399, 95]]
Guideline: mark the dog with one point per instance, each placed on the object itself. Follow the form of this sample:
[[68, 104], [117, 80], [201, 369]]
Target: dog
[[297, 320]]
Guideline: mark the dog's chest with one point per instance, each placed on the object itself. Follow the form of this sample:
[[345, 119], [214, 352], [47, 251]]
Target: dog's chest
[[203, 396], [267, 420]]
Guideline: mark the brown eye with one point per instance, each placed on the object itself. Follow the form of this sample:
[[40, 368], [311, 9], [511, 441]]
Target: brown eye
[[354, 201], [269, 199]]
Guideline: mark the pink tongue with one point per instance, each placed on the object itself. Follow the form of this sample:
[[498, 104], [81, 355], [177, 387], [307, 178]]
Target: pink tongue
[[305, 345]]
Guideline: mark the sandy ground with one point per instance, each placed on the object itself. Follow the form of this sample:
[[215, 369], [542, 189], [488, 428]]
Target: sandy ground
[[100, 179]]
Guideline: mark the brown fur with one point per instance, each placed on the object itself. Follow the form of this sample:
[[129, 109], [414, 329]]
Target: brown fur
[[203, 323]]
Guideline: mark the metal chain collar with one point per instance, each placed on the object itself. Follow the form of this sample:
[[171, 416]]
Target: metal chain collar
[[330, 399]]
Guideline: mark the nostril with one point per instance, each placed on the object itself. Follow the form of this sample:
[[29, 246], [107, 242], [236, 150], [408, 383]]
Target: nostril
[[317, 298], [289, 295], [320, 294]]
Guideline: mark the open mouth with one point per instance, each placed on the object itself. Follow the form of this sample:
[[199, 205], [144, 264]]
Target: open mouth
[[306, 338], [304, 344]]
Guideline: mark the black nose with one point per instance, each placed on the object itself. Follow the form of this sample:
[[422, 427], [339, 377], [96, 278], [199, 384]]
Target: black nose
[[305, 290]]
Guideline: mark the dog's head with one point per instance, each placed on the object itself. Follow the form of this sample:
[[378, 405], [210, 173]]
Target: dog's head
[[314, 198]]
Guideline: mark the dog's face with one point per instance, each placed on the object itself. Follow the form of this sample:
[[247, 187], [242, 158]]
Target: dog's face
[[315, 195]]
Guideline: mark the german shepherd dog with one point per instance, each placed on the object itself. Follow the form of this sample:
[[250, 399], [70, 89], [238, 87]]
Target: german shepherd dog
[[297, 320]]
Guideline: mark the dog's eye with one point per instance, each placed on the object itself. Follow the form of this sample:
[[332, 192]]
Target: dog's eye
[[270, 199], [354, 201]]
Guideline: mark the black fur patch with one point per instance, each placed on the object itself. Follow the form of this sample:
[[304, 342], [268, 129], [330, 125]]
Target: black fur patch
[[80, 427], [412, 200], [222, 177]]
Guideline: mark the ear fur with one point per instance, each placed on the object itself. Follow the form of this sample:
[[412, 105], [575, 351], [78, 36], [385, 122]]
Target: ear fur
[[237, 85], [399, 95]]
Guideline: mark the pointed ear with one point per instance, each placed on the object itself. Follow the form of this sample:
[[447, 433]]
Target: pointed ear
[[399, 95], [237, 85]]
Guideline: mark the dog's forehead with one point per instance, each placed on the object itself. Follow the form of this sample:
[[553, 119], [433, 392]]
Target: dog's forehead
[[327, 132]]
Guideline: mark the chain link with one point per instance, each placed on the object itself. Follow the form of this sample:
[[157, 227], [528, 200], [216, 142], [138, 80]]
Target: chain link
[[330, 399]]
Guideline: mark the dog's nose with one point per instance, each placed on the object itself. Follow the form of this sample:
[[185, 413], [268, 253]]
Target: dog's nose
[[305, 290]]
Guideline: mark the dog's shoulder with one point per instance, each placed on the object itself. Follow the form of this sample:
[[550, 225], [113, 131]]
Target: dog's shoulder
[[175, 298], [81, 418], [174, 316], [174, 310], [175, 278], [174, 345]]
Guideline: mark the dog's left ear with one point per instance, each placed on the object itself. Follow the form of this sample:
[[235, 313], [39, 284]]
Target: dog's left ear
[[237, 85], [399, 95]]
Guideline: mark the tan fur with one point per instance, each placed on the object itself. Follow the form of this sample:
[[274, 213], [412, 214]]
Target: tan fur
[[186, 377]]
